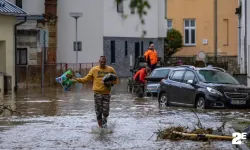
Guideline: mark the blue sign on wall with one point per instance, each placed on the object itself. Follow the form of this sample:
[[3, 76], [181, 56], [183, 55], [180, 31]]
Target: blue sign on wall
[[44, 38]]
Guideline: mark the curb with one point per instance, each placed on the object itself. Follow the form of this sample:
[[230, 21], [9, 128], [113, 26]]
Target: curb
[[241, 146]]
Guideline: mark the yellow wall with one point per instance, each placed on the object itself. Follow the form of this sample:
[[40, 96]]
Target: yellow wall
[[226, 10], [203, 12], [7, 35]]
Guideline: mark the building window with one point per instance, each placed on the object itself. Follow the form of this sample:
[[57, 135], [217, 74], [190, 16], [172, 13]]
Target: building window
[[169, 24], [120, 7], [19, 3], [22, 56], [126, 48], [142, 48], [189, 32], [112, 45]]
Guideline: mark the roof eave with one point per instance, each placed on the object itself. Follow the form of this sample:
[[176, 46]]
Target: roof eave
[[31, 17], [13, 14]]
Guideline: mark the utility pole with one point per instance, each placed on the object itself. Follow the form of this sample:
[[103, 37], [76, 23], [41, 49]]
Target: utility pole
[[43, 50], [215, 30], [44, 39], [77, 44]]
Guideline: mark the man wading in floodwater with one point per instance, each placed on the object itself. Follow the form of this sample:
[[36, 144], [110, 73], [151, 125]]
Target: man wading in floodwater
[[101, 92]]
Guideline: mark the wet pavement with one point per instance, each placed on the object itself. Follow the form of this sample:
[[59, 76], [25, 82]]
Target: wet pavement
[[55, 120]]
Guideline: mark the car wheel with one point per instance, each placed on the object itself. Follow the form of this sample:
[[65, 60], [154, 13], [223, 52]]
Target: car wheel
[[200, 103], [163, 100]]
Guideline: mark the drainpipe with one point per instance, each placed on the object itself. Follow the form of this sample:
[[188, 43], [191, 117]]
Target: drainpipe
[[246, 47], [239, 37], [215, 30], [15, 30]]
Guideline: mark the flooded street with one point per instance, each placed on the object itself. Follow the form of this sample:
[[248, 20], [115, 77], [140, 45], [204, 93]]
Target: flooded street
[[57, 120]]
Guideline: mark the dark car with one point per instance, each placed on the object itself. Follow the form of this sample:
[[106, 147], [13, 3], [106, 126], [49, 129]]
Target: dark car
[[202, 88], [153, 80]]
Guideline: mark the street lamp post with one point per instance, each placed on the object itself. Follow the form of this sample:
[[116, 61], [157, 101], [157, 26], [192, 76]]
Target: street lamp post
[[76, 15]]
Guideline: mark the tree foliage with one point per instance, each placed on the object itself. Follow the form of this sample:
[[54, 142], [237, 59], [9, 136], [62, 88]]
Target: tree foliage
[[140, 7], [172, 43]]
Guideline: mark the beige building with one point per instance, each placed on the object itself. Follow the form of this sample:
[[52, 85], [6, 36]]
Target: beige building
[[195, 19], [8, 13]]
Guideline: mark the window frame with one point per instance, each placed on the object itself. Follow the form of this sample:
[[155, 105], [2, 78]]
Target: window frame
[[142, 48], [19, 3], [126, 48], [195, 78], [120, 7], [227, 32], [137, 47], [169, 28], [19, 61], [171, 76], [112, 52], [189, 28]]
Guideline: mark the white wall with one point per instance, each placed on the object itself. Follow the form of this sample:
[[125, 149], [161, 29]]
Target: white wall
[[162, 25], [90, 30], [34, 7], [115, 26], [12, 1]]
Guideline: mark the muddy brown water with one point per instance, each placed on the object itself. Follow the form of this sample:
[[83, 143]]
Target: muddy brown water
[[55, 120]]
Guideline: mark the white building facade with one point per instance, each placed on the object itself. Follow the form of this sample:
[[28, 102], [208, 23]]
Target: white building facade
[[244, 38], [102, 30], [109, 29]]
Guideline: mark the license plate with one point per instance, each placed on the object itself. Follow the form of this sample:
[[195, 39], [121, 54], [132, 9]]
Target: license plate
[[238, 102]]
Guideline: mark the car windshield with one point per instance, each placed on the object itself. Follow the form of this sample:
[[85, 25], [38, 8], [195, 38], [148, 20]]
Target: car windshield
[[160, 73], [215, 76]]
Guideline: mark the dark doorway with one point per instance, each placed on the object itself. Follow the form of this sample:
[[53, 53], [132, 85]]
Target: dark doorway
[[142, 48], [137, 49]]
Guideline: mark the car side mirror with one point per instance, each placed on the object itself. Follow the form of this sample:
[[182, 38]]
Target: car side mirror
[[166, 77], [190, 82]]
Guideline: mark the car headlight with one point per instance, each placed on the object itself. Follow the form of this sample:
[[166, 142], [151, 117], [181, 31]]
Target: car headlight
[[213, 91]]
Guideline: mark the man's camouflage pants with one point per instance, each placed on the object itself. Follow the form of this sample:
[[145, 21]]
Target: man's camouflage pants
[[102, 105]]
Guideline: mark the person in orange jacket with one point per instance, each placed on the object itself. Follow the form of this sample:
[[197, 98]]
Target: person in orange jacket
[[151, 57]]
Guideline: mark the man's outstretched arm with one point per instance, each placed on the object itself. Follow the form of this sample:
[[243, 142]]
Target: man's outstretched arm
[[87, 78]]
